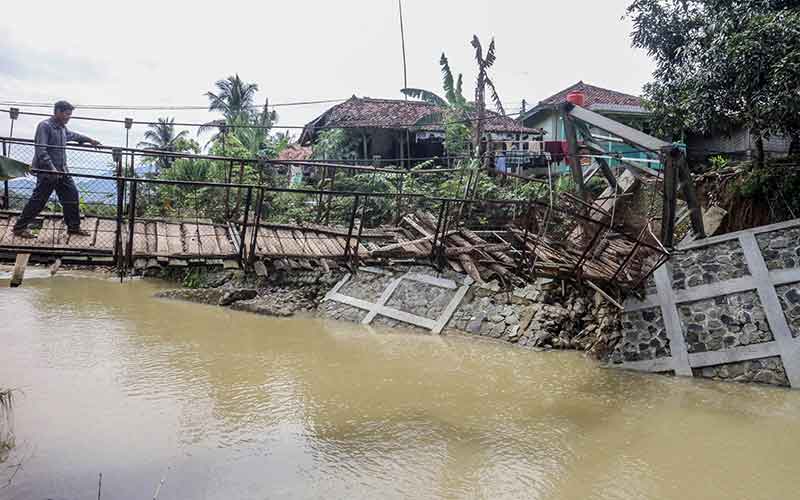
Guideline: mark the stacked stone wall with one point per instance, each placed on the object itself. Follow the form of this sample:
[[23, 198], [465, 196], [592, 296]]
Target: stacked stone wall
[[730, 308], [724, 322]]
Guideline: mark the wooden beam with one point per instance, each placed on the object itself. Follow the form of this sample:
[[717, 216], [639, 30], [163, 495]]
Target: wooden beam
[[670, 197], [628, 134], [572, 147], [689, 194], [607, 173], [20, 264]]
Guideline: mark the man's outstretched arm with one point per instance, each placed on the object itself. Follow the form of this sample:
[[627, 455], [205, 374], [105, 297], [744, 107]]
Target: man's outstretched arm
[[80, 138]]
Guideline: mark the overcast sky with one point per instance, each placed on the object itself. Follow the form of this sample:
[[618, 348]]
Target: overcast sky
[[170, 53]]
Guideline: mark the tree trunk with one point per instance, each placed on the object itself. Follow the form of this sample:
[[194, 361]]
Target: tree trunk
[[759, 149], [794, 143]]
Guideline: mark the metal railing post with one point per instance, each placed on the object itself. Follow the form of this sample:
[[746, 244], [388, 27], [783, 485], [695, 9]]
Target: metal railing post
[[131, 224], [6, 201], [356, 201], [360, 229], [228, 174], [117, 156], [254, 239], [243, 232]]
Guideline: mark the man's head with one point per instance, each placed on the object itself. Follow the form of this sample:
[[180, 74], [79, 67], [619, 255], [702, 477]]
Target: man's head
[[62, 112]]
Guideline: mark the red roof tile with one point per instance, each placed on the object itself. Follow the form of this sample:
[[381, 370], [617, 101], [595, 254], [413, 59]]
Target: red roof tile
[[365, 112], [295, 152], [594, 96]]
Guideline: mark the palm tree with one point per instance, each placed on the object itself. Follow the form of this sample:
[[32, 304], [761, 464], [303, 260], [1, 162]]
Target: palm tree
[[484, 63], [161, 136], [254, 135], [233, 97]]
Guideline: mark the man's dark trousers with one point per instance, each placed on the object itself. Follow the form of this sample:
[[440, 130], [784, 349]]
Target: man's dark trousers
[[67, 196]]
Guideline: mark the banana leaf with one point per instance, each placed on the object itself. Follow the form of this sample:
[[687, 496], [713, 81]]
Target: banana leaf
[[10, 168]]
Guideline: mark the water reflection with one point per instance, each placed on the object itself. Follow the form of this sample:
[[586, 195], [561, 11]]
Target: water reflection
[[231, 405]]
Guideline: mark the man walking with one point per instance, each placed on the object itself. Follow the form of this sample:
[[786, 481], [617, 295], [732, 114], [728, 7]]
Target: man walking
[[51, 137]]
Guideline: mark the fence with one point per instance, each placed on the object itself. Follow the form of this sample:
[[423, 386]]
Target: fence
[[139, 204]]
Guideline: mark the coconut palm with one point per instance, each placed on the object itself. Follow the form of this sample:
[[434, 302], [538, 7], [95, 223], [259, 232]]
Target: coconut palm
[[233, 98], [161, 136]]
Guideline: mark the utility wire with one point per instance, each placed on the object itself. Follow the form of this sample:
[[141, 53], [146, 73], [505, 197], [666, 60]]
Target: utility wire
[[268, 127], [33, 104]]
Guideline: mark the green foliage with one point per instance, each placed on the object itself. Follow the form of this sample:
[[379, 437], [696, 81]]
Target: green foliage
[[335, 144], [194, 278], [718, 162], [162, 136], [721, 64]]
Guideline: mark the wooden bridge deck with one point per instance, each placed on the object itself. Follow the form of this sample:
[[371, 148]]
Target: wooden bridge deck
[[187, 240], [151, 238], [310, 241]]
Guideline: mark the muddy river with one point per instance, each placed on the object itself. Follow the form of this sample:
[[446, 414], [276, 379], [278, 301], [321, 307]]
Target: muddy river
[[200, 402]]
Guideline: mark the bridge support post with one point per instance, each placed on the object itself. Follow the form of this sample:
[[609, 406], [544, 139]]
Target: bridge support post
[[254, 238], [19, 269], [131, 224], [118, 260], [243, 232], [6, 202], [351, 226]]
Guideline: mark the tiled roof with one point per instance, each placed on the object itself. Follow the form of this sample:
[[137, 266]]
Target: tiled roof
[[595, 96], [295, 152], [366, 112]]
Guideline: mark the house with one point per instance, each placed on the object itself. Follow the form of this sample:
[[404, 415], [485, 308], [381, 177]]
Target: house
[[621, 107], [739, 144], [629, 110], [398, 130], [624, 108]]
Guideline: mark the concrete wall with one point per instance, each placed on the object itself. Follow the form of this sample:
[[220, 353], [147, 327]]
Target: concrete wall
[[726, 308], [738, 142]]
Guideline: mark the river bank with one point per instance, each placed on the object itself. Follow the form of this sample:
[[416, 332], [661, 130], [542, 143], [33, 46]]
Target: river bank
[[542, 315]]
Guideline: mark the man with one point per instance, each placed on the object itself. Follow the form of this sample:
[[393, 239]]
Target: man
[[51, 137]]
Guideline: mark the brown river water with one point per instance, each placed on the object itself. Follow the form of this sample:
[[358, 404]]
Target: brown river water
[[226, 405]]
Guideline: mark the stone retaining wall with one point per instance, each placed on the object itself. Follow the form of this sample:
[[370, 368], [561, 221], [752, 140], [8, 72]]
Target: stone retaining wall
[[729, 307], [537, 316]]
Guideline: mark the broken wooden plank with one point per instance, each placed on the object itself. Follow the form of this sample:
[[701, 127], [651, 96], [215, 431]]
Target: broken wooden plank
[[55, 266]]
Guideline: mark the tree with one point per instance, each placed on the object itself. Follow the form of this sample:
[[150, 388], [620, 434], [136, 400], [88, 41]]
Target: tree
[[722, 64], [233, 97], [456, 111], [162, 136], [483, 81]]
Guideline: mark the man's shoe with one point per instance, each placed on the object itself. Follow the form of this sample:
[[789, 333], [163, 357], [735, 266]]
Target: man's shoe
[[78, 232], [24, 234]]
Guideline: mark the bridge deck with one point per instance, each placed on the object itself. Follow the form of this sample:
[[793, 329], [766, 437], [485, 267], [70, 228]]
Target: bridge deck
[[151, 238], [187, 240]]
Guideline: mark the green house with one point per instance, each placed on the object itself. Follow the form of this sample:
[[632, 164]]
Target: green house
[[624, 108]]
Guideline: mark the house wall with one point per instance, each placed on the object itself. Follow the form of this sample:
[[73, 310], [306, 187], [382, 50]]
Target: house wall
[[553, 124], [737, 143]]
